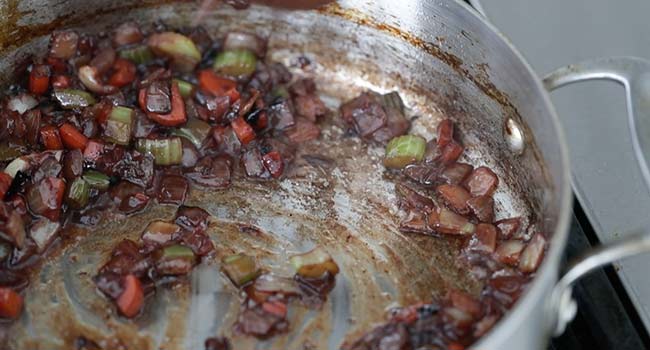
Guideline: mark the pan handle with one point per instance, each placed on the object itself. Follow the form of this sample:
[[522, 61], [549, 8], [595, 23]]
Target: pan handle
[[634, 74], [562, 306]]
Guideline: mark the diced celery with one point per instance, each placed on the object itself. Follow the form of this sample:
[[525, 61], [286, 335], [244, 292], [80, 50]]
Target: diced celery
[[184, 87], [167, 151], [119, 125], [140, 54], [73, 98], [194, 130], [97, 180], [314, 263], [181, 49], [404, 150], [174, 260], [235, 63], [78, 193], [177, 251], [240, 268]]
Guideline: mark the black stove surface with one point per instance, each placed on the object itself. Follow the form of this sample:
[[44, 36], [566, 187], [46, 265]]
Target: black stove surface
[[606, 318]]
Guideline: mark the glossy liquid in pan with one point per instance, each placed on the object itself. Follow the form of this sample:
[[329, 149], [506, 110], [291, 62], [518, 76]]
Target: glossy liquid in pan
[[347, 205]]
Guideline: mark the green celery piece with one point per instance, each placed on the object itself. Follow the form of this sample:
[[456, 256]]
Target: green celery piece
[[184, 87], [404, 150], [73, 98], [235, 63], [140, 54], [96, 179], [195, 131], [78, 193], [167, 151]]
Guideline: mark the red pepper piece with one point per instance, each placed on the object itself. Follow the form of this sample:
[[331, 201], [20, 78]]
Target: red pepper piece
[[5, 182], [243, 130], [175, 117], [275, 307], [11, 303], [209, 81], [61, 81], [130, 301], [51, 138], [72, 138], [39, 79], [273, 163], [124, 73]]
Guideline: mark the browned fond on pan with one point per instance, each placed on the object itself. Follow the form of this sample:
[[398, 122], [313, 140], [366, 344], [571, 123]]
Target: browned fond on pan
[[346, 206]]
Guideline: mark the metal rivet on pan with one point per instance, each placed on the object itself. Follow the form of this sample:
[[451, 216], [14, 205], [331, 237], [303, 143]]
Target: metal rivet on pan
[[514, 136]]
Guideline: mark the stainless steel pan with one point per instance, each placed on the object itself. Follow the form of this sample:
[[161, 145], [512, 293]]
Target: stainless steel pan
[[446, 61]]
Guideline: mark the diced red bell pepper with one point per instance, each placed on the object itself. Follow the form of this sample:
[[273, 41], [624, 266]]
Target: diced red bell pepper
[[273, 163], [61, 82], [58, 64], [275, 307], [124, 73], [5, 182], [93, 151], [51, 138], [130, 301], [177, 115], [39, 79], [217, 86], [72, 138], [243, 130], [11, 303]]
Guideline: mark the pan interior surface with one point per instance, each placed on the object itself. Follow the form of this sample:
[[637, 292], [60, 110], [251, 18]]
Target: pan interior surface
[[337, 196]]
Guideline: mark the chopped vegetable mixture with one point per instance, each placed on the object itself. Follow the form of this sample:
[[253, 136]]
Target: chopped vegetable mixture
[[118, 121]]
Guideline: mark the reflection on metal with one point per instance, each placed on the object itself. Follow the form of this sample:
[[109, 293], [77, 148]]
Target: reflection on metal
[[634, 74], [562, 305], [514, 135]]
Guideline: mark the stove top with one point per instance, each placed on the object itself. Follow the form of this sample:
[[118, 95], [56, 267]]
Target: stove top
[[606, 318]]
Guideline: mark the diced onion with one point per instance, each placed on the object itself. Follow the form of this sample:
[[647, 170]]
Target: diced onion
[[18, 164], [89, 76], [22, 103], [43, 232]]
